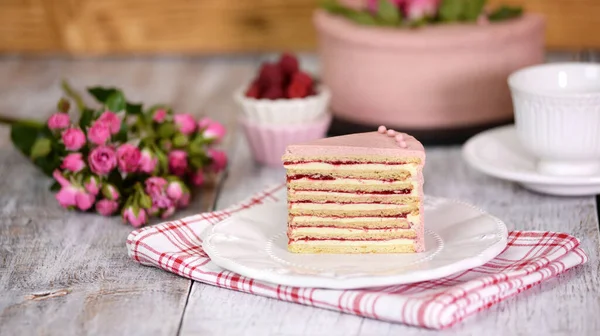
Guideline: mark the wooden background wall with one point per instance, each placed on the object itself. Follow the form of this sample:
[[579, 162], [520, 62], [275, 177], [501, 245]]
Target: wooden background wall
[[98, 27]]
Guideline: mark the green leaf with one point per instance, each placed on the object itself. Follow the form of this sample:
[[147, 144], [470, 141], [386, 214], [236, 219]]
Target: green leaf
[[505, 13], [358, 16], [388, 13], [55, 186], [101, 94], [180, 140], [86, 118], [362, 18], [47, 164], [472, 9], [122, 135], [41, 148], [145, 201], [166, 130], [451, 10], [116, 102], [333, 7], [133, 109], [163, 162], [196, 162], [63, 105], [24, 134], [197, 146]]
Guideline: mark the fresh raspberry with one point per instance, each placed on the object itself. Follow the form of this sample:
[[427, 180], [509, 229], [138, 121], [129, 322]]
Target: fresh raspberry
[[270, 75], [273, 92], [253, 91], [303, 78], [288, 64], [296, 89]]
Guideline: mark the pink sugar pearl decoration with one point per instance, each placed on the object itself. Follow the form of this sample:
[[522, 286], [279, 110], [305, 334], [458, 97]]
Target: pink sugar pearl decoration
[[399, 137]]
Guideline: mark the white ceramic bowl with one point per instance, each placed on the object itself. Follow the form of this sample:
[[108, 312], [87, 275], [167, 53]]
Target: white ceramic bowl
[[284, 111], [557, 116]]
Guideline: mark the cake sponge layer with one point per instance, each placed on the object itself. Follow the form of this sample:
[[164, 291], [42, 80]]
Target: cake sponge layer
[[340, 212], [352, 222], [327, 247], [337, 233], [351, 185]]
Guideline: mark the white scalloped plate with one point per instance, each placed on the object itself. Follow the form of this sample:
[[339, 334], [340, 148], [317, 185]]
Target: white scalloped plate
[[253, 243]]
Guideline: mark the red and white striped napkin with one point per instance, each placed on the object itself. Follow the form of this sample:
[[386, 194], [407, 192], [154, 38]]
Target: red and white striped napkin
[[530, 258]]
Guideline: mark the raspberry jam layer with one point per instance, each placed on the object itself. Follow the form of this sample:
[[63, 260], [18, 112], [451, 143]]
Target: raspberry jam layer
[[383, 228], [338, 239], [317, 177], [341, 163]]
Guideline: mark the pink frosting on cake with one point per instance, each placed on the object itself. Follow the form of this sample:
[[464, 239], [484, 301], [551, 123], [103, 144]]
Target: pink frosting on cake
[[369, 143]]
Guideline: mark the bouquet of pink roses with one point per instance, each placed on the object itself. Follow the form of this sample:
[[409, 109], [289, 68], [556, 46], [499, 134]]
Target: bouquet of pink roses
[[120, 157], [415, 13]]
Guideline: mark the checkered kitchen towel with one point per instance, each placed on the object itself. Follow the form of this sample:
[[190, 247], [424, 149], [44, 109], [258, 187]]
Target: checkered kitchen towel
[[530, 258]]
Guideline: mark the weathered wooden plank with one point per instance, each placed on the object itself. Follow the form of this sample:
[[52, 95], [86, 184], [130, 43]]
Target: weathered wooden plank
[[214, 26], [65, 273], [564, 305]]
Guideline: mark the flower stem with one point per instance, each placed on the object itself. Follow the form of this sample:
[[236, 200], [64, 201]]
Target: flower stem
[[7, 120], [11, 121], [70, 92]]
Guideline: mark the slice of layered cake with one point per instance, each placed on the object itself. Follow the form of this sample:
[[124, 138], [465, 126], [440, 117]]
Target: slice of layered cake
[[358, 193]]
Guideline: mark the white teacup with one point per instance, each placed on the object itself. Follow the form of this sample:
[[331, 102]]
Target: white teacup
[[557, 116]]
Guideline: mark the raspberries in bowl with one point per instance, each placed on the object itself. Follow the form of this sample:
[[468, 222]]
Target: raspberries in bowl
[[281, 92], [281, 80], [282, 105]]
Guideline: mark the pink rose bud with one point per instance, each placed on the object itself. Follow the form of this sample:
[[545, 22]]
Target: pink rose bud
[[58, 176], [128, 158], [73, 162], [184, 201], [110, 192], [102, 160], [418, 9], [92, 184], [153, 211], [148, 161], [66, 196], [198, 178], [112, 121], [155, 186], [175, 190], [178, 162], [99, 133], [134, 216], [168, 213], [185, 123], [59, 121], [106, 207], [161, 202], [219, 159], [84, 200], [73, 138], [213, 130], [160, 115]]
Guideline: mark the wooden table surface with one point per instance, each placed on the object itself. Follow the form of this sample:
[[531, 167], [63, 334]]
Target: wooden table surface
[[64, 273]]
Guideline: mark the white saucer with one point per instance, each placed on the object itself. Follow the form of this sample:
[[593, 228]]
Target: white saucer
[[253, 243], [497, 152]]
